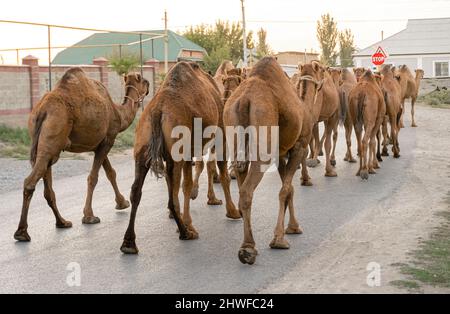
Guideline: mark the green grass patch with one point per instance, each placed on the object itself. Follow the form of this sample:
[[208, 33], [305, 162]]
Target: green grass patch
[[431, 261], [438, 99], [405, 284], [125, 140], [14, 142]]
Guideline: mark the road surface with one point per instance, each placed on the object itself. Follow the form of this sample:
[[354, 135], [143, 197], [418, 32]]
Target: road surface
[[208, 265]]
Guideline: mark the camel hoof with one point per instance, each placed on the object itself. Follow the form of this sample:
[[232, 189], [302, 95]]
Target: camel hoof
[[312, 163], [234, 214], [129, 247], [91, 220], [321, 153], [396, 156], [216, 180], [233, 176], [414, 125], [191, 234], [123, 205], [22, 235], [215, 202], [364, 174], [247, 255], [385, 153], [279, 244], [294, 230], [333, 163], [307, 183], [64, 224], [331, 174], [194, 193], [371, 171], [379, 158], [353, 161]]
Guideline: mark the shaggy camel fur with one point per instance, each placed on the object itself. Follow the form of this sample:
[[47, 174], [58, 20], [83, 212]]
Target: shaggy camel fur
[[266, 98], [410, 89], [186, 93], [326, 109], [367, 109], [348, 83], [77, 116], [392, 88]]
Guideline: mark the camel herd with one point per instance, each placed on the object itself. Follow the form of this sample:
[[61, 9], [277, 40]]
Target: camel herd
[[80, 116]]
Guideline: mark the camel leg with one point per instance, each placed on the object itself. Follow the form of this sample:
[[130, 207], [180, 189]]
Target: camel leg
[[211, 170], [225, 180], [129, 241], [348, 138], [377, 151], [413, 122], [39, 170], [333, 152], [373, 162], [121, 202], [359, 149], [174, 170], [199, 166], [364, 150], [100, 155], [329, 127], [322, 140], [313, 161], [247, 252], [187, 190], [385, 137], [394, 136], [305, 179], [402, 125], [50, 197]]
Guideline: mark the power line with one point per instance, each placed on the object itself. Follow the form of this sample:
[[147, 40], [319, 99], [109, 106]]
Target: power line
[[315, 21]]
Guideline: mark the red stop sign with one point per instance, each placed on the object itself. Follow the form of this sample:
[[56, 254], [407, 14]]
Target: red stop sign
[[379, 57]]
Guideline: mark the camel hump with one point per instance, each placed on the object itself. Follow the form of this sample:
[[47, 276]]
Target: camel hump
[[266, 68], [181, 74], [73, 74]]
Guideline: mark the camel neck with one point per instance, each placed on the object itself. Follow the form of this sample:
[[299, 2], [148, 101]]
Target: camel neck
[[418, 79], [128, 109]]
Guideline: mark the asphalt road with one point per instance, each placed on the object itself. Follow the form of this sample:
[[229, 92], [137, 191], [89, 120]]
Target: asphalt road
[[166, 264]]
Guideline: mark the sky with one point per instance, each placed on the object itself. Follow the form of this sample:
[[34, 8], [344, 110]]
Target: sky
[[291, 24]]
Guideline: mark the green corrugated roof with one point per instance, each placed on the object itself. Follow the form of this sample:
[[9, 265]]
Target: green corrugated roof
[[75, 56]]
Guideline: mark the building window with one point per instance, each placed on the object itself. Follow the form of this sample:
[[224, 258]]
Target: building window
[[441, 69]]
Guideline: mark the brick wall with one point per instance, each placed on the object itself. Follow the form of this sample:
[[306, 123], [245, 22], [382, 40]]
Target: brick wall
[[21, 87]]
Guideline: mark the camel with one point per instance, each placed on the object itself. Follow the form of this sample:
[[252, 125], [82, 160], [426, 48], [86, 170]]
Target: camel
[[348, 83], [326, 110], [266, 98], [367, 110], [392, 88], [359, 72], [230, 84], [187, 93], [77, 116], [409, 89], [221, 73]]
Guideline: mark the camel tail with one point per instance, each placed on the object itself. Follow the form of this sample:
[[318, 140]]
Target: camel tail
[[35, 138], [157, 148], [343, 111], [360, 113]]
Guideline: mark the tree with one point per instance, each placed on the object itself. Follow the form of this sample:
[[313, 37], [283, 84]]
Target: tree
[[327, 34], [124, 63], [262, 48], [346, 48]]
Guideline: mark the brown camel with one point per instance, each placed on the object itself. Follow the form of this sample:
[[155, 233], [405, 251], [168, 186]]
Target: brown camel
[[267, 99], [392, 90], [221, 73], [410, 89], [359, 72], [77, 116], [348, 83], [367, 109], [326, 109], [186, 93], [230, 84]]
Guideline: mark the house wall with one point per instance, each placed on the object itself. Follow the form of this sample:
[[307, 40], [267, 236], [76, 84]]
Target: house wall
[[294, 58], [424, 62], [21, 87]]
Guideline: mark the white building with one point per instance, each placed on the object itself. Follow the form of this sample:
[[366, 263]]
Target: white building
[[424, 44]]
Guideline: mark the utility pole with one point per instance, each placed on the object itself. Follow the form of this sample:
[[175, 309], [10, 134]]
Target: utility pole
[[166, 44], [244, 33]]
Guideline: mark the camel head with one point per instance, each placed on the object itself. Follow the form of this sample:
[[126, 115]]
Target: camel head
[[359, 72], [312, 72], [347, 75], [335, 75], [420, 73], [135, 81], [230, 84], [237, 72]]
